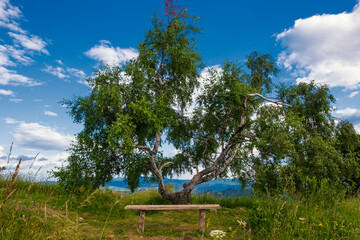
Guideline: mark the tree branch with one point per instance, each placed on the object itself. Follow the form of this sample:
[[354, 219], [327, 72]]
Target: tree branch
[[165, 165], [157, 143], [143, 148], [279, 102], [250, 136], [217, 172]]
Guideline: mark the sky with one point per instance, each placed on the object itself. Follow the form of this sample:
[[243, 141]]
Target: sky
[[48, 48]]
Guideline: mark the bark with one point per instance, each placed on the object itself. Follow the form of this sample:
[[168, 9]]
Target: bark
[[181, 197]]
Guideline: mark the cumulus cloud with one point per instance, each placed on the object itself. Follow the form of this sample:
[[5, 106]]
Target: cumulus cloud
[[11, 77], [357, 128], [324, 48], [34, 165], [31, 42], [50, 114], [11, 121], [76, 72], [2, 150], [351, 114], [39, 137], [62, 72], [56, 71], [6, 92], [353, 94], [110, 55], [203, 79]]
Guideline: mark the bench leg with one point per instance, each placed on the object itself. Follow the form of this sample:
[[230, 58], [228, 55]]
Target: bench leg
[[202, 220], [142, 220]]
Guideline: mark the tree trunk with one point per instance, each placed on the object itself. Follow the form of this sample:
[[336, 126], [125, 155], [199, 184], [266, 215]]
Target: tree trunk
[[182, 197]]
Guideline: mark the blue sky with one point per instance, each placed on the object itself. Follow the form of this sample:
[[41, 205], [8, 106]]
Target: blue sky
[[47, 48]]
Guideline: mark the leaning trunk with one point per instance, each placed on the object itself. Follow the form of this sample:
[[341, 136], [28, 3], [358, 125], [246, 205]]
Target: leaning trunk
[[182, 197]]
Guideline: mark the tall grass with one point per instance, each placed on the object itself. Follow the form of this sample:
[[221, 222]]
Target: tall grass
[[39, 211]]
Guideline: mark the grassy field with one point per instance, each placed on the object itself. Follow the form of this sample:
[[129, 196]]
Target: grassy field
[[33, 211]]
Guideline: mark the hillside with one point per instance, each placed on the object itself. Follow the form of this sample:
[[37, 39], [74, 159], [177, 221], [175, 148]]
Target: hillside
[[219, 187], [39, 211]]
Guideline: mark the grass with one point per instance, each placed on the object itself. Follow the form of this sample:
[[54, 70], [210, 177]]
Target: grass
[[40, 211]]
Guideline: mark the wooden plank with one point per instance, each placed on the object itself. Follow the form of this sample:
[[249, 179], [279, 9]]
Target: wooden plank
[[142, 220], [172, 207], [202, 220]]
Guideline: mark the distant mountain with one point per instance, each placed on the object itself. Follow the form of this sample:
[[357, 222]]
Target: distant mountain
[[219, 187]]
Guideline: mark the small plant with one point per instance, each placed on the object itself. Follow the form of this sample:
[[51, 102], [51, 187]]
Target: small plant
[[217, 234]]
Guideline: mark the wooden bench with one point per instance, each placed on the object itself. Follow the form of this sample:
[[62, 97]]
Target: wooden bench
[[200, 207]]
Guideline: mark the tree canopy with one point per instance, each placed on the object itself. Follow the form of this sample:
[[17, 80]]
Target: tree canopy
[[229, 122]]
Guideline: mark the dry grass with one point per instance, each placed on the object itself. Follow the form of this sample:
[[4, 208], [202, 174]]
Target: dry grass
[[8, 193]]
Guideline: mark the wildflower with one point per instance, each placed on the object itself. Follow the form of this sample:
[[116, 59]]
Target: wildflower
[[218, 234], [23, 216], [207, 223], [320, 225], [242, 223], [336, 223]]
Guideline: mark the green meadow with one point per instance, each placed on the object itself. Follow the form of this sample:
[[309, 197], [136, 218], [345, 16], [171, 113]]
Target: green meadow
[[39, 211]]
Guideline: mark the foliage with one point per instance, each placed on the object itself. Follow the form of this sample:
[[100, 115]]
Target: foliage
[[234, 122], [301, 143]]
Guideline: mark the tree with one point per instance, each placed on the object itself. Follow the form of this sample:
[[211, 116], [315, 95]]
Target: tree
[[348, 145], [157, 99]]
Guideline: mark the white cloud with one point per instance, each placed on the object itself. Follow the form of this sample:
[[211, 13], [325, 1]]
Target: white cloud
[[4, 57], [204, 78], [76, 72], [60, 62], [6, 92], [19, 55], [11, 77], [110, 55], [42, 164], [32, 42], [50, 114], [39, 137], [24, 47], [15, 100], [324, 48], [2, 150], [353, 94], [56, 71], [61, 72], [357, 128], [351, 114], [7, 51], [11, 121], [8, 14]]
